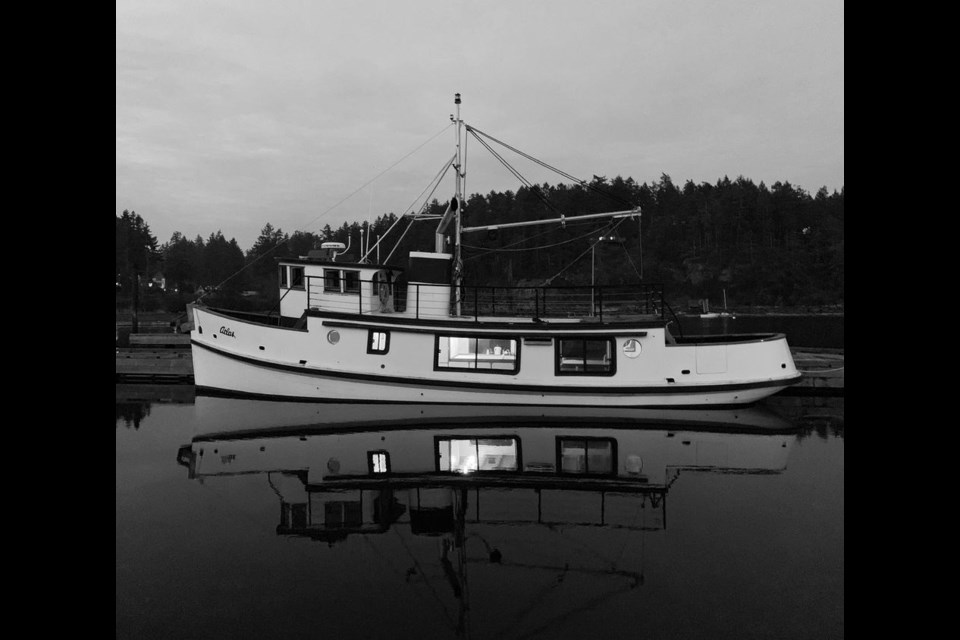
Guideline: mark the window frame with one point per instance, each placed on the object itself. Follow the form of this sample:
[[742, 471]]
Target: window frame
[[331, 276], [518, 445], [294, 269], [386, 346], [350, 281], [557, 355], [386, 461], [284, 276], [516, 340], [342, 281], [586, 440]]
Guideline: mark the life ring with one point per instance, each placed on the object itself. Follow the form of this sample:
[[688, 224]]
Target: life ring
[[384, 292]]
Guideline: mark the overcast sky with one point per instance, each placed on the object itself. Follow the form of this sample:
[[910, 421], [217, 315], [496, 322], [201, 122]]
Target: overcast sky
[[235, 113]]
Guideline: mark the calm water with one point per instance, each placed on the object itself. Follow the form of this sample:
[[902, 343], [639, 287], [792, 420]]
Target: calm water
[[243, 519]]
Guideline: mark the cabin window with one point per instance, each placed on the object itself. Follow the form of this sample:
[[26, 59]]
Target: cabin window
[[378, 341], [466, 455], [379, 461], [342, 513], [283, 276], [331, 280], [579, 356], [351, 281], [341, 281], [587, 456], [488, 354], [296, 277]]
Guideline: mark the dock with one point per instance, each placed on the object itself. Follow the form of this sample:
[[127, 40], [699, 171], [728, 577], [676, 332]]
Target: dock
[[166, 358], [822, 371], [155, 358]]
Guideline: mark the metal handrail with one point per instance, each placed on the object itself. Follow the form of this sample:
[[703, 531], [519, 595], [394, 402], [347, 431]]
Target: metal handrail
[[495, 301]]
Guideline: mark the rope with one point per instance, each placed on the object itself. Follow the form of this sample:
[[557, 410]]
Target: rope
[[820, 370]]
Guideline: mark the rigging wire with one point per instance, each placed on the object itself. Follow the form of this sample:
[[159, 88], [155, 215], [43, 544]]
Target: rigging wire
[[613, 227], [546, 246], [476, 131], [535, 189], [361, 188], [635, 270], [580, 181], [426, 579], [437, 179]]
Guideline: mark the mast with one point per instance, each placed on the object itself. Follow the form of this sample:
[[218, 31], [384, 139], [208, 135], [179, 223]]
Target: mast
[[458, 186], [458, 197]]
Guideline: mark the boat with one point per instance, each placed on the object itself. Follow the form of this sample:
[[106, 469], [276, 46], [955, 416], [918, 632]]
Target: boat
[[361, 331], [314, 458], [709, 315], [328, 452]]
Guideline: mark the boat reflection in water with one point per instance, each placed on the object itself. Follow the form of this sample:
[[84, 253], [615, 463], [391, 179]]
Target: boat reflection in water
[[500, 489]]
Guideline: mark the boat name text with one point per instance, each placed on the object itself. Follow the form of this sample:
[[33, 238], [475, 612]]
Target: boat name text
[[227, 332]]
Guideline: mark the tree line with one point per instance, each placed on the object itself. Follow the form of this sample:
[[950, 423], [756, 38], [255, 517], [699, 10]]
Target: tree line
[[753, 244]]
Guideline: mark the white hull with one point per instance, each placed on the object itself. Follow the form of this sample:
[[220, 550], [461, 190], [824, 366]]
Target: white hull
[[257, 360]]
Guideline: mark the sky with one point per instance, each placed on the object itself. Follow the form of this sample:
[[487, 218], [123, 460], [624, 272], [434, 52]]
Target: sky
[[237, 113]]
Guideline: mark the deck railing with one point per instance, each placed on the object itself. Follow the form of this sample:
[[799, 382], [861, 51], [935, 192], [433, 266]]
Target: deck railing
[[433, 300], [561, 302]]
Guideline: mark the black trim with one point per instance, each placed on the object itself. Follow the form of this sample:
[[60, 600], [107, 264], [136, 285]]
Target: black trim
[[527, 328], [339, 265], [526, 480], [558, 357], [370, 455], [463, 329], [546, 390], [386, 346]]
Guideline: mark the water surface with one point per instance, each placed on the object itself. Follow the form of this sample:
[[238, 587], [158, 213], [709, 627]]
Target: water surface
[[718, 525]]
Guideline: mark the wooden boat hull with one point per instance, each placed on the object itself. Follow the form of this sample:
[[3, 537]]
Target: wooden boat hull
[[250, 359]]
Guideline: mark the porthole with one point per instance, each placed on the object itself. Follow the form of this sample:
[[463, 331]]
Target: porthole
[[333, 337], [632, 348]]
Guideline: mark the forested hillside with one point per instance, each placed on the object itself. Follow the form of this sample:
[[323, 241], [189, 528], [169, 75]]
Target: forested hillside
[[761, 246]]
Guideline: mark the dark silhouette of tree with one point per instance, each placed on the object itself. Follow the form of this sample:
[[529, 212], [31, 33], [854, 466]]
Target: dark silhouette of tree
[[181, 262], [136, 248], [222, 264], [757, 245], [137, 256]]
